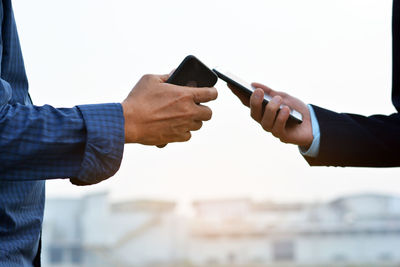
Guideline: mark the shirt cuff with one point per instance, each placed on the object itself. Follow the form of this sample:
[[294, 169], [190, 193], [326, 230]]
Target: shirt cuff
[[313, 151], [105, 139]]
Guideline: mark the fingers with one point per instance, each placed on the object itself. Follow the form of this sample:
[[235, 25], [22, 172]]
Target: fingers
[[242, 96], [256, 100], [265, 88], [155, 78], [268, 119], [183, 137], [278, 130], [202, 113], [204, 94], [195, 125]]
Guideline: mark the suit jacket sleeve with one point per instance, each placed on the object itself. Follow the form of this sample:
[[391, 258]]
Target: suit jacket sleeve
[[357, 141]]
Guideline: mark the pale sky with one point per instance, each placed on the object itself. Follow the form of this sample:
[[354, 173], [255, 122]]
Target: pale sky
[[335, 54]]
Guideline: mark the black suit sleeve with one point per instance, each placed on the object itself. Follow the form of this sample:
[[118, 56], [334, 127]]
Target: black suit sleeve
[[357, 141]]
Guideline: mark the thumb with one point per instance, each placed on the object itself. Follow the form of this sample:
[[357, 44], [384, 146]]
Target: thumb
[[204, 94], [164, 77]]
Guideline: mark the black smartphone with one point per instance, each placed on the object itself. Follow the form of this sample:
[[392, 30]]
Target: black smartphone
[[192, 72], [247, 89]]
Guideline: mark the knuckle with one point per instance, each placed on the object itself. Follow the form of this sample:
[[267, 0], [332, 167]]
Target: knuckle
[[265, 127], [283, 140], [186, 96], [146, 77], [271, 107]]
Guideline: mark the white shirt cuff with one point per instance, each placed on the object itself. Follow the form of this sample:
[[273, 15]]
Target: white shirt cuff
[[313, 151]]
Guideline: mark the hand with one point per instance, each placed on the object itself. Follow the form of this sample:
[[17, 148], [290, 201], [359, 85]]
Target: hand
[[158, 113], [276, 122]]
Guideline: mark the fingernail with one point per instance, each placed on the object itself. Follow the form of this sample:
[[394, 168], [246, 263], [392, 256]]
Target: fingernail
[[276, 100]]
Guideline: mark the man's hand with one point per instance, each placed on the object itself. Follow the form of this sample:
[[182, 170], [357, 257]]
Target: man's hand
[[276, 122], [158, 113]]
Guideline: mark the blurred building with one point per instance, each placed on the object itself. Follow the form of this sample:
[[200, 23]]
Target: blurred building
[[356, 230], [360, 229], [93, 232]]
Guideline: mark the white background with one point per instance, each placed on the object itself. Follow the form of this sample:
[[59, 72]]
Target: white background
[[336, 54]]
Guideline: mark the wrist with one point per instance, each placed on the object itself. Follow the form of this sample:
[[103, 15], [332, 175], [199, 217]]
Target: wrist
[[309, 139], [130, 131], [308, 134]]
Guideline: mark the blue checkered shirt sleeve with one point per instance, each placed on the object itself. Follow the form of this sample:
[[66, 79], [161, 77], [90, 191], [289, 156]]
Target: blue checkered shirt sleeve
[[84, 143]]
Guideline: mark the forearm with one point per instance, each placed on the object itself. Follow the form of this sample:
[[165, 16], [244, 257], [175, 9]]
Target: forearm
[[47, 143]]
